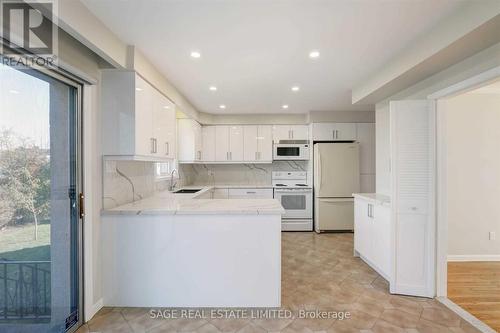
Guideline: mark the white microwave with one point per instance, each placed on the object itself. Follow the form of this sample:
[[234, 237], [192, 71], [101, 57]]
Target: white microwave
[[291, 151]]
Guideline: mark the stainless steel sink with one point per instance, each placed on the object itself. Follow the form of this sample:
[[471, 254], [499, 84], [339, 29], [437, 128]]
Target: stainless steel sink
[[188, 190]]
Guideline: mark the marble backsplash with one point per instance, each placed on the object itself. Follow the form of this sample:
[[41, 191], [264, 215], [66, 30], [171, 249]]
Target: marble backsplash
[[236, 174], [126, 181]]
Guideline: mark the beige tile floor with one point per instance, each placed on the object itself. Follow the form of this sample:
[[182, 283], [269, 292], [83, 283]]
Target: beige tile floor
[[319, 272]]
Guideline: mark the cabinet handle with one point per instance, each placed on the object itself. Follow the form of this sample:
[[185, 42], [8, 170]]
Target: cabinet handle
[[292, 133], [152, 145], [259, 155], [227, 156], [167, 148], [289, 134], [333, 134], [251, 192], [231, 155], [199, 154]]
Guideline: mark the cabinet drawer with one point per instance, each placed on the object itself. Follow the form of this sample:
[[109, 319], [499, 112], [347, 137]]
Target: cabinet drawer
[[250, 193], [334, 214]]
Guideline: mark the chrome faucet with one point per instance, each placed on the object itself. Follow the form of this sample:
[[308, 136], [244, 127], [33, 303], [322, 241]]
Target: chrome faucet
[[172, 184]]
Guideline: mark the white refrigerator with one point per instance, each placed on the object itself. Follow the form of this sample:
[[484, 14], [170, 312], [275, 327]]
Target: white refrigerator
[[336, 178]]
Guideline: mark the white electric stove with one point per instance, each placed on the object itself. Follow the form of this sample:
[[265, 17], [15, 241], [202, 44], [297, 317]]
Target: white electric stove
[[294, 192]]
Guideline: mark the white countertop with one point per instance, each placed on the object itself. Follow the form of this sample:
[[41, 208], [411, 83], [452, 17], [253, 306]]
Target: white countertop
[[168, 203], [377, 198], [229, 186]]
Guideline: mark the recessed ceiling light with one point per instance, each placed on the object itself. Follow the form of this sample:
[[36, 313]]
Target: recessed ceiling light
[[285, 106], [138, 89], [12, 91], [213, 88], [195, 54], [314, 54], [295, 88], [222, 106], [166, 107]]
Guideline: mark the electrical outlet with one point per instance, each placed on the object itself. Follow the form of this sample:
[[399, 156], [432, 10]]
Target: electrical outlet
[[493, 235]]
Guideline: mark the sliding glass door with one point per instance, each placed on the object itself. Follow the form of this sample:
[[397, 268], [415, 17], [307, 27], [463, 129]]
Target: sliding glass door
[[40, 224]]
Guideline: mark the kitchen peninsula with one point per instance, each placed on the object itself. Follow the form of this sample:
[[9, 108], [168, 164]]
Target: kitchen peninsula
[[182, 250]]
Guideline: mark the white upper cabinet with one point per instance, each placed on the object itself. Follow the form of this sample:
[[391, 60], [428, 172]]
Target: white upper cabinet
[[208, 143], [164, 126], [290, 132], [135, 118], [258, 145], [222, 143], [334, 132], [251, 150], [236, 143], [281, 132], [229, 143], [190, 142], [265, 143], [366, 139], [143, 115], [300, 132]]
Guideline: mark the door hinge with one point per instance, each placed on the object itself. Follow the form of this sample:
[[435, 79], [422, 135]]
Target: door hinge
[[81, 205]]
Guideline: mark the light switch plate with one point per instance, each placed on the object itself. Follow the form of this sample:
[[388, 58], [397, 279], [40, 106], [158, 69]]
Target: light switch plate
[[493, 235]]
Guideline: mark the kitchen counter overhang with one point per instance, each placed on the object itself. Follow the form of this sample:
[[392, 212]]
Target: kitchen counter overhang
[[184, 252], [168, 203]]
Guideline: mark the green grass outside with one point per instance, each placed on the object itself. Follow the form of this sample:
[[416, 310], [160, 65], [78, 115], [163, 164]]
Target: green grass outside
[[18, 243]]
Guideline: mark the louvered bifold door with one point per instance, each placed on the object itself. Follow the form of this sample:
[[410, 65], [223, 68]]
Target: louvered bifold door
[[413, 190]]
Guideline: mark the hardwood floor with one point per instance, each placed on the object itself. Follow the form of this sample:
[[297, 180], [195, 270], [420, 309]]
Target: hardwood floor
[[475, 286]]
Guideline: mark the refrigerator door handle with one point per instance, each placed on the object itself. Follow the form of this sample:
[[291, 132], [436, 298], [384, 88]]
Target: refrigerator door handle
[[320, 173], [337, 200]]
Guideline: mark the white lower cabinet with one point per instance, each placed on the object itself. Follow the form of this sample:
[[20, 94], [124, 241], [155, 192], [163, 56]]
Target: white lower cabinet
[[372, 230]]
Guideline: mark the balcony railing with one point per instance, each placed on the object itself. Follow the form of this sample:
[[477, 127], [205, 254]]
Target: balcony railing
[[25, 290]]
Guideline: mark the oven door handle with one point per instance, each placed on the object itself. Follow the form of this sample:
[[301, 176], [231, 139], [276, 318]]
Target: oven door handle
[[299, 190]]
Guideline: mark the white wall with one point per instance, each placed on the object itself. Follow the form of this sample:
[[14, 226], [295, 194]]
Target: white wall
[[383, 155], [473, 173], [474, 65]]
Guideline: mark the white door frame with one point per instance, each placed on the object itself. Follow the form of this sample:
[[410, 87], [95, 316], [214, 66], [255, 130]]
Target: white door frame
[[441, 177]]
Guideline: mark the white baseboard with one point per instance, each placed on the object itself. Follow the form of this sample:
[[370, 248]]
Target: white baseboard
[[474, 257], [93, 309], [482, 327]]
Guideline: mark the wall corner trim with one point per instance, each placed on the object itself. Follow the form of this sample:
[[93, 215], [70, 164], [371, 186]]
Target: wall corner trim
[[94, 308]]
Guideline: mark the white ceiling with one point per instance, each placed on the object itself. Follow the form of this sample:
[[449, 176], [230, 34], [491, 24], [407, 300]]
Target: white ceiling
[[255, 51], [492, 88]]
